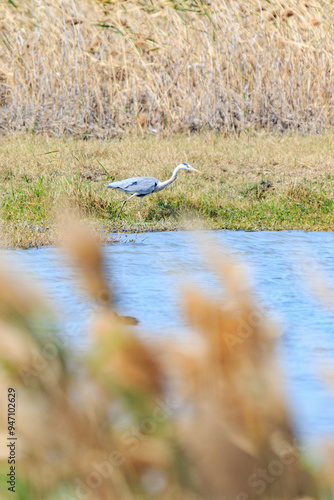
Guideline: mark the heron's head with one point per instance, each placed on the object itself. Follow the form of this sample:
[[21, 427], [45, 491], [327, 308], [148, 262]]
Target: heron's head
[[186, 166]]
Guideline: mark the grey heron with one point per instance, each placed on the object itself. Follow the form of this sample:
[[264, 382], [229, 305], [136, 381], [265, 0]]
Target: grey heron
[[143, 186]]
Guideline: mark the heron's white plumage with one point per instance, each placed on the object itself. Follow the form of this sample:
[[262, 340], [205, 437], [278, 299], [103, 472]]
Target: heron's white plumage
[[143, 186]]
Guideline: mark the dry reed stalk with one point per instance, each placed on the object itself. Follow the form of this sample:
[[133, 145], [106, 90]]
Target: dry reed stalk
[[69, 444], [245, 444], [106, 428], [86, 255], [102, 69]]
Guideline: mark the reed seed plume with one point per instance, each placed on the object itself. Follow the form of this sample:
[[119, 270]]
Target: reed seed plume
[[125, 361], [18, 300], [239, 414], [102, 69], [82, 247]]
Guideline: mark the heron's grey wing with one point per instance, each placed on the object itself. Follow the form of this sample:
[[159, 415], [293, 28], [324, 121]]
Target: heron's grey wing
[[138, 185]]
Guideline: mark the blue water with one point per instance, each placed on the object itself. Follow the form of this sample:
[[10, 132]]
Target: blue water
[[149, 270]]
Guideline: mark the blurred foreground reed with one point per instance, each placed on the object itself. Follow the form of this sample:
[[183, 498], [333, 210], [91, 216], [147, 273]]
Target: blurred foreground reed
[[127, 420]]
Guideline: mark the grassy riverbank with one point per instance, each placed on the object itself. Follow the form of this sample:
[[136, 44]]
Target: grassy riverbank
[[251, 182]]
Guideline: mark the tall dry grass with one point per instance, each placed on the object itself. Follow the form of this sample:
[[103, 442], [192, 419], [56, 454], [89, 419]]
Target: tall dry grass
[[130, 420], [98, 68]]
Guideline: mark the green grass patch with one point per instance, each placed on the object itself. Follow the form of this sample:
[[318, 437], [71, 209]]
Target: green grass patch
[[263, 182]]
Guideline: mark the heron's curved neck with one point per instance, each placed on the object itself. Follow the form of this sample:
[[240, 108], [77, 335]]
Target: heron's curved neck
[[163, 185]]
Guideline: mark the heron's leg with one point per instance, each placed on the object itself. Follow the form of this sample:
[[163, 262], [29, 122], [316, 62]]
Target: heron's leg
[[124, 204], [141, 199]]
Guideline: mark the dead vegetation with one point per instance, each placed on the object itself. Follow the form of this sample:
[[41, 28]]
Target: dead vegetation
[[102, 69]]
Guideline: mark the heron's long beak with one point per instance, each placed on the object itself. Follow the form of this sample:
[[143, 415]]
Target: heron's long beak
[[198, 171]]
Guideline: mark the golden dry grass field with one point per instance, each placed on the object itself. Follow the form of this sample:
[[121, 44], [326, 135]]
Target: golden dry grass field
[[103, 68], [252, 182]]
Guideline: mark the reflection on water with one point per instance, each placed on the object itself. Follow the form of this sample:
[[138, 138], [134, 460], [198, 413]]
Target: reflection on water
[[148, 273]]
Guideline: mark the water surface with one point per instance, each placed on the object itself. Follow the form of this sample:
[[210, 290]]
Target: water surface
[[148, 271]]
